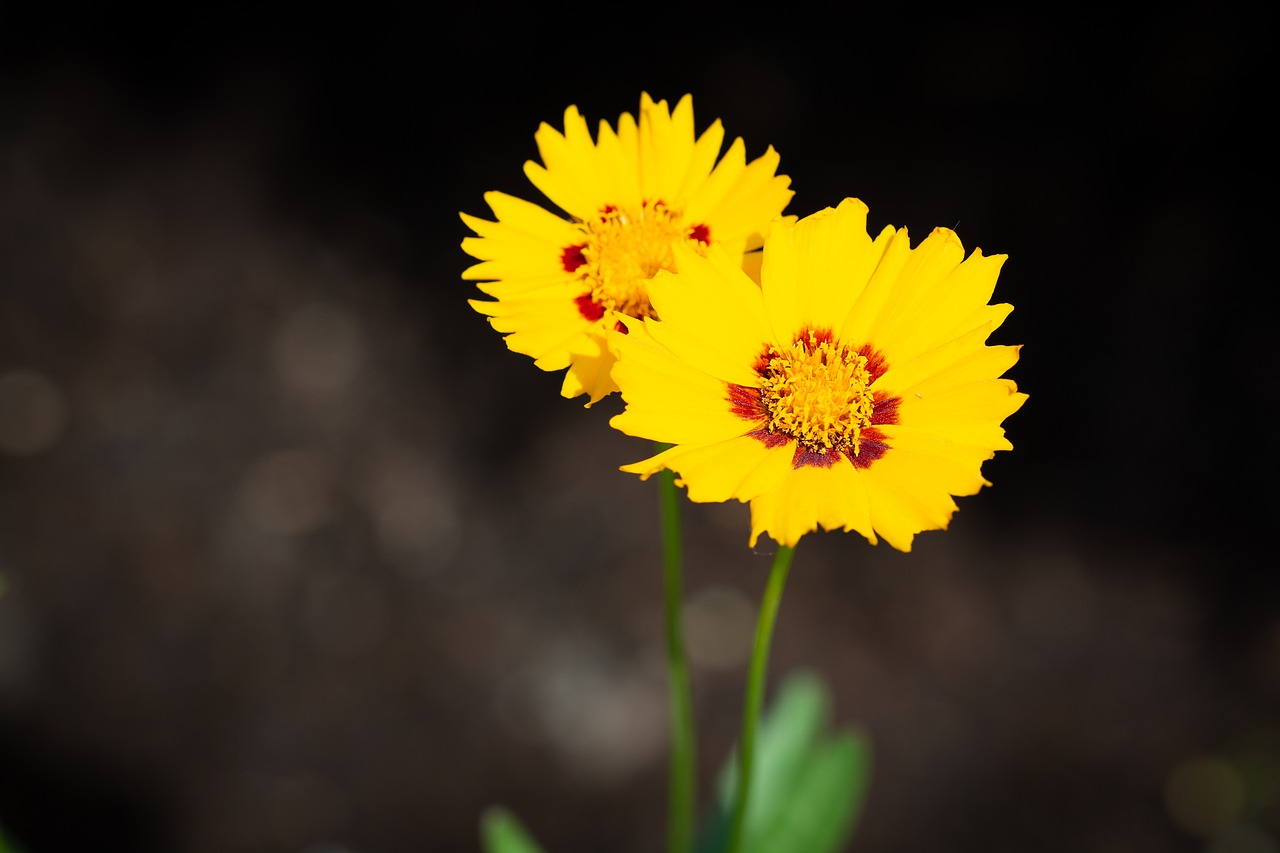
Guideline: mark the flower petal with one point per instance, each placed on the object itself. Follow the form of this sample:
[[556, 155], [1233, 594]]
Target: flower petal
[[739, 468], [666, 399], [813, 275], [958, 361], [968, 414], [905, 498], [590, 371], [741, 198], [810, 497], [550, 330], [714, 286]]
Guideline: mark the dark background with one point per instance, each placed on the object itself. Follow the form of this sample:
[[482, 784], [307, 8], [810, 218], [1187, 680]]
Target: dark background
[[298, 557]]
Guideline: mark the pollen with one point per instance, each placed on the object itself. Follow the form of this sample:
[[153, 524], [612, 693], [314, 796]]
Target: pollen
[[625, 248], [818, 392]]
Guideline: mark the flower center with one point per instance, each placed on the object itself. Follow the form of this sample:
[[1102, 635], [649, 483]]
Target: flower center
[[626, 248], [818, 392]]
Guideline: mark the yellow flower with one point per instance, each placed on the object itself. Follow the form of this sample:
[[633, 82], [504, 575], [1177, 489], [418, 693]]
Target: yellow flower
[[852, 389], [559, 285]]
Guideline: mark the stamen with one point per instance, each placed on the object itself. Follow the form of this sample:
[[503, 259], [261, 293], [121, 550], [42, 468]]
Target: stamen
[[817, 392], [624, 249]]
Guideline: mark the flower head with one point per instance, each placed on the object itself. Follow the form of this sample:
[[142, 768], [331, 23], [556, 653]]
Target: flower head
[[632, 197], [852, 389]]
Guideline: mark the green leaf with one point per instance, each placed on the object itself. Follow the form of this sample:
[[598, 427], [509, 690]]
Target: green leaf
[[501, 832], [787, 732], [820, 812], [808, 784]]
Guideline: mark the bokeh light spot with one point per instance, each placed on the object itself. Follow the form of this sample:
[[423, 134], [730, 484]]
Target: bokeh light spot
[[411, 504], [318, 349]]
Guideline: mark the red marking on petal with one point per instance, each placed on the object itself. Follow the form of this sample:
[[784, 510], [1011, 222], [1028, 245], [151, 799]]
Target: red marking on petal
[[745, 402], [701, 233], [814, 458], [761, 365], [606, 210], [572, 258], [589, 308], [885, 410], [876, 363], [872, 446], [769, 438], [622, 327]]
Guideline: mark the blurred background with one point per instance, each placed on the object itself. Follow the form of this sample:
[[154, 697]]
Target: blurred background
[[296, 556]]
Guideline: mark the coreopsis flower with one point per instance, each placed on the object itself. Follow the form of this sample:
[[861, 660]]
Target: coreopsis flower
[[560, 283], [852, 389]]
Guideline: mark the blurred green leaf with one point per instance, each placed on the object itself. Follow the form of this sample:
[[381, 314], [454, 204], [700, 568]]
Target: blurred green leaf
[[808, 785], [501, 832], [788, 731], [821, 809]]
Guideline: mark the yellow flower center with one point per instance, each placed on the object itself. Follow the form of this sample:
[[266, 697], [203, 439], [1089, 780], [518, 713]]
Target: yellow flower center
[[818, 392], [626, 248]]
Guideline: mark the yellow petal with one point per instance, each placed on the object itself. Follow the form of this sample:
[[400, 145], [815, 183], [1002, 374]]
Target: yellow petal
[[951, 467], [666, 399], [956, 362], [942, 310], [780, 283], [965, 413], [894, 326], [532, 286], [589, 373], [571, 172], [525, 241], [895, 249], [905, 498], [518, 217], [714, 287], [740, 199], [701, 161], [809, 497], [672, 135], [738, 468], [751, 265], [545, 329], [616, 176], [815, 271]]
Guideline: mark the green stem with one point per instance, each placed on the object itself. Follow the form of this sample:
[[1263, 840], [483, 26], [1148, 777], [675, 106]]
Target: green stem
[[755, 688], [682, 793]]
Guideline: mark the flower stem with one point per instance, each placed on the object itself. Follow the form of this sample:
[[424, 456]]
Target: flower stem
[[755, 688], [682, 793]]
